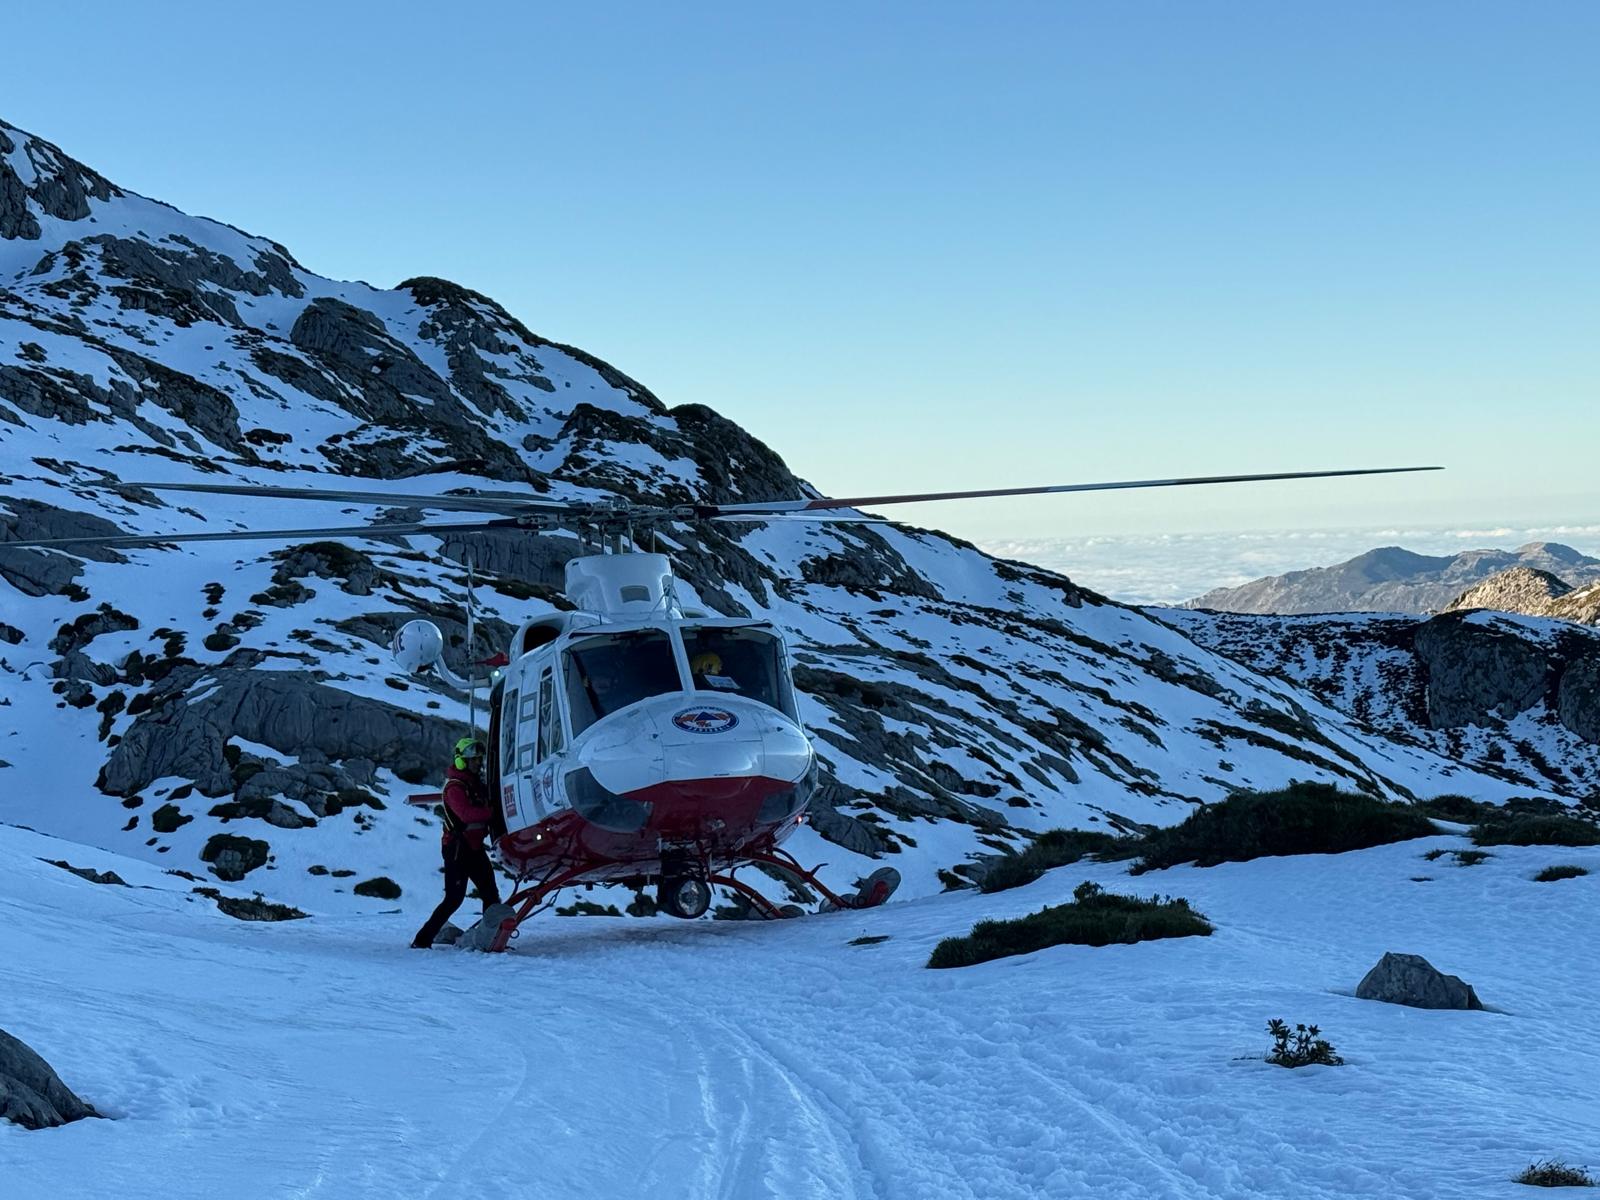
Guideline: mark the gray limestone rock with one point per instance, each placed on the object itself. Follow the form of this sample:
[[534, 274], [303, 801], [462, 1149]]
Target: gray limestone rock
[[293, 712], [1412, 980], [1578, 699], [1477, 674], [48, 572], [31, 1093]]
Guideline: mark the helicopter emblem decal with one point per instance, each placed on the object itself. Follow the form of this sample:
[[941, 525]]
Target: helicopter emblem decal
[[705, 720]]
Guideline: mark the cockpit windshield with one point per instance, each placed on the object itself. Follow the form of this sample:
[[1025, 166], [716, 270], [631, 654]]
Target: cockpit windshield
[[608, 672], [746, 662]]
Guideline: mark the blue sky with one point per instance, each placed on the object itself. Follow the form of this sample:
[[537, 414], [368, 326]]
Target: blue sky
[[927, 245]]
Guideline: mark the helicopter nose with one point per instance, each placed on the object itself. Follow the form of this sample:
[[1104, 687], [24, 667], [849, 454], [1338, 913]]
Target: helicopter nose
[[688, 736]]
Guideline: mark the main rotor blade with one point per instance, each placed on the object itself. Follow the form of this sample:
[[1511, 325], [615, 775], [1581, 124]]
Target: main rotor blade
[[808, 518], [826, 502], [483, 502], [277, 535]]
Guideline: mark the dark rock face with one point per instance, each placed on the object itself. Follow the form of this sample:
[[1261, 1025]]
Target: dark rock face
[[1578, 700], [235, 857], [1478, 674], [1412, 980], [293, 712], [31, 1093], [44, 572]]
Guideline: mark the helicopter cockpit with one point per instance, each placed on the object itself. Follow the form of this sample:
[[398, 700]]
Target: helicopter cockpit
[[607, 670]]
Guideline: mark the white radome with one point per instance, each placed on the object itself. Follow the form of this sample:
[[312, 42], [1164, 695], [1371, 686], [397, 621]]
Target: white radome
[[417, 645]]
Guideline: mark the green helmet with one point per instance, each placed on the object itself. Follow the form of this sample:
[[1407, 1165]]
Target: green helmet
[[468, 747]]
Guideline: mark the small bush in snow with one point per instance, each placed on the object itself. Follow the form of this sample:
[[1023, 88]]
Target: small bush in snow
[[1471, 858], [1551, 874], [1536, 830], [381, 888], [1094, 918], [1460, 809], [1303, 1046], [1303, 818], [1055, 848], [1556, 1174]]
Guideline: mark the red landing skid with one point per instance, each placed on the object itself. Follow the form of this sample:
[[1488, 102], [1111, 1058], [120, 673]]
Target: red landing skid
[[874, 890]]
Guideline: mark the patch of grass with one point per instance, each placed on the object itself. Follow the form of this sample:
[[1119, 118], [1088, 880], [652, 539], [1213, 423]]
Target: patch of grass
[[1536, 830], [869, 941], [1435, 855], [1551, 874], [1471, 858], [1303, 818], [1094, 918], [1550, 1173], [1463, 810], [1055, 848], [1302, 1046]]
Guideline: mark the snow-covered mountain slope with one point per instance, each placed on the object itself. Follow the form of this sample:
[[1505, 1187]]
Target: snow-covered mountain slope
[[612, 1058], [232, 710], [1392, 579], [1515, 696]]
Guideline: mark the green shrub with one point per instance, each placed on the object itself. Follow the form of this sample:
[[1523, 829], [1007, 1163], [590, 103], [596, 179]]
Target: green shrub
[[1551, 874], [1302, 1047], [1536, 830], [1556, 1174], [1303, 818], [1094, 918], [1055, 848], [1460, 809]]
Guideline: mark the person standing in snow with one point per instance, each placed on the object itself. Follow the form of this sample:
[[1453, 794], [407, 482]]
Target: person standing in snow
[[466, 824]]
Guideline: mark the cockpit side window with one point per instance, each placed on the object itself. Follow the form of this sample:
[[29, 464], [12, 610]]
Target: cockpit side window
[[745, 662], [608, 672]]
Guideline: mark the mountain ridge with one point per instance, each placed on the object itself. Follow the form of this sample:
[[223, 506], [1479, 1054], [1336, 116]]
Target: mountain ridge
[[1393, 579]]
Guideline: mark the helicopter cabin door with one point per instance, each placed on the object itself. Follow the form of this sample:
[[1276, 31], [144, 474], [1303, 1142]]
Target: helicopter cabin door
[[532, 736]]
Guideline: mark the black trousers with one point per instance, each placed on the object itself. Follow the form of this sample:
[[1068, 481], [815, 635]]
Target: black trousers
[[463, 863]]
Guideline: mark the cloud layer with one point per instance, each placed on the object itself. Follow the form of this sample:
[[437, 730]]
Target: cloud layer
[[1168, 568]]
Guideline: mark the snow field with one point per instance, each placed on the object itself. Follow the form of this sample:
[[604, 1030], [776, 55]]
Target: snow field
[[613, 1057]]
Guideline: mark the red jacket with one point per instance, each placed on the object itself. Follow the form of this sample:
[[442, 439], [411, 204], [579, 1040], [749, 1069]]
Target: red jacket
[[466, 807]]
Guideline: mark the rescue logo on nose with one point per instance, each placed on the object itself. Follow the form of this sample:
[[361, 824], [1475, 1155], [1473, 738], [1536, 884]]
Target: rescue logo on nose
[[705, 720]]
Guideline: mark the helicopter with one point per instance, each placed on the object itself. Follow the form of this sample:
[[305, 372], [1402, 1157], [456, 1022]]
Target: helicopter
[[635, 737]]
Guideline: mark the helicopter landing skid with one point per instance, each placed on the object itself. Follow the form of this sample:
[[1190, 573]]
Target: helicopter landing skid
[[874, 890]]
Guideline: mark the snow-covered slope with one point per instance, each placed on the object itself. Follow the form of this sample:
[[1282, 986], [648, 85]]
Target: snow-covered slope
[[612, 1058], [162, 701], [1518, 697]]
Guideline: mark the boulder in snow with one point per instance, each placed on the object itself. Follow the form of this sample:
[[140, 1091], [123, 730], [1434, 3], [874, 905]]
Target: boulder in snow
[[1411, 979], [31, 1094]]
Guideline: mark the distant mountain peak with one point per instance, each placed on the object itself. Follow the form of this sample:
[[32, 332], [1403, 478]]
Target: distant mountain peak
[[1394, 579]]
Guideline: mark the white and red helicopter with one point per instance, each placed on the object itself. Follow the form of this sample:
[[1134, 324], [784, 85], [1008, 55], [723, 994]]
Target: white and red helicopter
[[633, 738]]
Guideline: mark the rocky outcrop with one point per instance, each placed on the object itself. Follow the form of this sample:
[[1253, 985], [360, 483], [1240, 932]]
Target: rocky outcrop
[[184, 731], [31, 1093], [1518, 589], [1479, 673], [1534, 594], [1392, 579], [1412, 980]]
